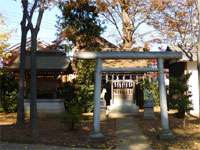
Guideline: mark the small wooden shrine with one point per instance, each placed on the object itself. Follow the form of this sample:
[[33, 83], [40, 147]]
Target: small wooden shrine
[[52, 69]]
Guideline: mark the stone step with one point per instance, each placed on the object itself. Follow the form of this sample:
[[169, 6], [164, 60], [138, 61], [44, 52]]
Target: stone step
[[124, 108]]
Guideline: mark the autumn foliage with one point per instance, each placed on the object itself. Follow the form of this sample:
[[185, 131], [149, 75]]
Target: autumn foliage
[[177, 21], [3, 39]]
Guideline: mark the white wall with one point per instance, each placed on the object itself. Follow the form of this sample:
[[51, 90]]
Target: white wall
[[47, 106], [194, 87]]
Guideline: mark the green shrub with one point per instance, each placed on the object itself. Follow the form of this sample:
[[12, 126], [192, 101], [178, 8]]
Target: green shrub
[[86, 27], [152, 86], [179, 95], [85, 84], [73, 107], [85, 97], [72, 114], [1, 109], [8, 91], [9, 103]]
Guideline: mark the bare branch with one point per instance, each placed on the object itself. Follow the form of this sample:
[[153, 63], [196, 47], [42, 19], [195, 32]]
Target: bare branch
[[106, 17], [114, 9], [25, 12], [33, 8], [138, 25], [187, 53], [114, 22], [40, 15]]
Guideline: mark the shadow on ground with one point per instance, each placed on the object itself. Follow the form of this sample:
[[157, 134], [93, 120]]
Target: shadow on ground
[[124, 132], [55, 131], [187, 132]]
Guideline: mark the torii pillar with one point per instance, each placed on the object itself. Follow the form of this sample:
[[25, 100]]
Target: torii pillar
[[165, 132], [96, 134]]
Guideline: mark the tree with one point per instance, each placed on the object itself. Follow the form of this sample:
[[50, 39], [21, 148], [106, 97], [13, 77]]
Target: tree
[[127, 16], [178, 23], [79, 24], [3, 56], [24, 31], [29, 8], [179, 96], [33, 81], [3, 39], [198, 48], [73, 106], [8, 91]]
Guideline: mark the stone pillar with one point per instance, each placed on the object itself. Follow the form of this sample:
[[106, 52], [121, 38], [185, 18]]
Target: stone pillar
[[106, 77], [112, 77], [112, 92], [97, 91], [165, 133], [137, 79], [117, 77], [123, 76], [131, 77]]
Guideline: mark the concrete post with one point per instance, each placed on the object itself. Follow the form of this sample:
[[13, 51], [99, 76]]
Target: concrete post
[[112, 77], [97, 91], [165, 133], [123, 76], [131, 77], [117, 77], [112, 93], [106, 77]]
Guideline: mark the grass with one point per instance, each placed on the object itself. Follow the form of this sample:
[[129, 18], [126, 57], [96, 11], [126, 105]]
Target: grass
[[1, 110]]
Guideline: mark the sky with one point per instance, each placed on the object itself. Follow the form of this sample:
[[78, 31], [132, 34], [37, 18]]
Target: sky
[[12, 12]]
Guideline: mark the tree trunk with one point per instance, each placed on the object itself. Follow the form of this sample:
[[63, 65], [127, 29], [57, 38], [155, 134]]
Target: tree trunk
[[33, 86], [127, 31], [27, 16], [20, 102], [198, 68], [198, 51]]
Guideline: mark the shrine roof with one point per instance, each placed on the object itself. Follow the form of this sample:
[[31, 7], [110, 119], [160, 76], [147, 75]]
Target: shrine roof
[[48, 57], [192, 53], [105, 45]]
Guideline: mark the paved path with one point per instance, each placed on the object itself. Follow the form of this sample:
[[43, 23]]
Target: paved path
[[129, 135]]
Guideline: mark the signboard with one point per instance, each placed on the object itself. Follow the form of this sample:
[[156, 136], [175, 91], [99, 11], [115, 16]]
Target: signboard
[[122, 91], [122, 84]]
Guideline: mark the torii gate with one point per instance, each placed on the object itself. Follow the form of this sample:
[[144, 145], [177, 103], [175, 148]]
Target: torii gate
[[160, 56]]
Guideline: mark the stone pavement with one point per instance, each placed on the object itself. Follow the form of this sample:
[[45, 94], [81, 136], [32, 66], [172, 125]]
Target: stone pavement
[[129, 137]]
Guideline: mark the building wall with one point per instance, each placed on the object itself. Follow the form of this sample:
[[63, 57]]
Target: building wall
[[177, 69], [194, 87], [47, 87], [47, 106]]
